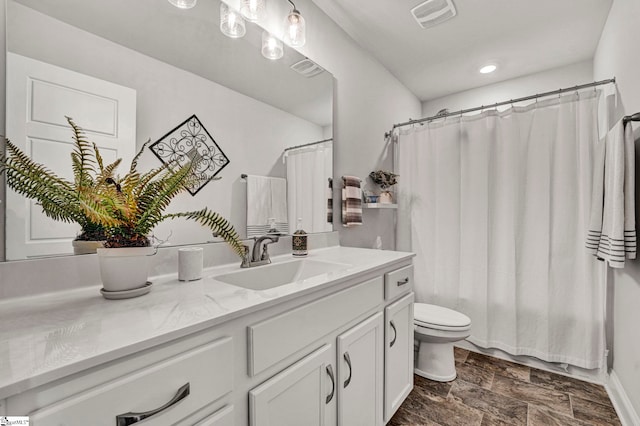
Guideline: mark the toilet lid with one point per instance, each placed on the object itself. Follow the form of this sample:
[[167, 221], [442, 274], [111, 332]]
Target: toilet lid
[[439, 316]]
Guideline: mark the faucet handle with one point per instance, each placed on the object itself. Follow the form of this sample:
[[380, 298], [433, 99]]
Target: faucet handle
[[265, 251]]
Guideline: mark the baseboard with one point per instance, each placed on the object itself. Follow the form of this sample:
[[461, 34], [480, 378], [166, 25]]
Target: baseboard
[[621, 402]]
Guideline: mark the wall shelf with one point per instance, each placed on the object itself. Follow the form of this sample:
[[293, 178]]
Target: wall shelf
[[379, 206]]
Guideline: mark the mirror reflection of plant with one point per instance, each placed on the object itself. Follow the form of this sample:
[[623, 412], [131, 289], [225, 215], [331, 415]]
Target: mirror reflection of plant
[[126, 208], [76, 201], [384, 178]]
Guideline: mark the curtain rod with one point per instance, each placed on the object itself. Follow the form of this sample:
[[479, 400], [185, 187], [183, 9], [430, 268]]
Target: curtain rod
[[307, 144], [497, 104]]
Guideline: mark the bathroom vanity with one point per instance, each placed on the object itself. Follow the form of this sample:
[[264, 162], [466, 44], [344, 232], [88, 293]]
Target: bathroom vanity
[[323, 340]]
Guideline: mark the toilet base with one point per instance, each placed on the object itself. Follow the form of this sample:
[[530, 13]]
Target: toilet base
[[435, 361], [434, 377]]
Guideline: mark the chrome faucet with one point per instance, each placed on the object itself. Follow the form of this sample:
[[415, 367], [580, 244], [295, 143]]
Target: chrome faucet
[[257, 259]]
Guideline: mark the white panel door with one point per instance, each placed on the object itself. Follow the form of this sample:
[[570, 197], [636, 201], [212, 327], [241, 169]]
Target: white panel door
[[39, 96], [303, 394], [360, 366], [398, 354]]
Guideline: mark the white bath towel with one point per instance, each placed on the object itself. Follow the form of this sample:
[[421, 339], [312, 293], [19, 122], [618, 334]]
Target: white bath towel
[[266, 199], [612, 228]]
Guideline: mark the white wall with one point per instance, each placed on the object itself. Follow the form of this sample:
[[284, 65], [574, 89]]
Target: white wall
[[250, 133], [545, 81], [617, 55], [368, 101]]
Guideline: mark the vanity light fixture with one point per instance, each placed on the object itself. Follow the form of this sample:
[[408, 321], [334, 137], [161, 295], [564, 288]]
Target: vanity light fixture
[[183, 4], [294, 28], [487, 69], [272, 48], [231, 22], [253, 10]]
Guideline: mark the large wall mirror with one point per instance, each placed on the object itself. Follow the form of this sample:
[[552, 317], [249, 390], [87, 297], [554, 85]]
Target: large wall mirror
[[169, 64]]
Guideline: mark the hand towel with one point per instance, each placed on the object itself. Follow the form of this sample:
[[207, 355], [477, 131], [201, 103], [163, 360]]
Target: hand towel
[[330, 201], [351, 201], [612, 229], [266, 199]]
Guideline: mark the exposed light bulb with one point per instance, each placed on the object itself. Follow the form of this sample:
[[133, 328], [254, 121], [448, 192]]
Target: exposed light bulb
[[253, 10], [183, 4], [488, 69], [272, 48], [231, 22], [294, 34]]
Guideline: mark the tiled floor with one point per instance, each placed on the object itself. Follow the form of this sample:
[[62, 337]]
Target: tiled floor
[[490, 391]]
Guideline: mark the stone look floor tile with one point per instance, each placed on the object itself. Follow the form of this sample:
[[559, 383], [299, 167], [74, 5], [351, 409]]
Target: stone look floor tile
[[584, 390], [494, 392], [539, 416], [478, 376], [459, 354], [554, 400], [594, 413], [500, 366], [500, 407]]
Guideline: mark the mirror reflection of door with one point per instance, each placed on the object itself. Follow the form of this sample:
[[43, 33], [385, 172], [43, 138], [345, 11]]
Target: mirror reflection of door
[[309, 169], [39, 96]]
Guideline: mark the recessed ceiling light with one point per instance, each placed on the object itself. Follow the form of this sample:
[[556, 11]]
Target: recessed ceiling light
[[488, 69]]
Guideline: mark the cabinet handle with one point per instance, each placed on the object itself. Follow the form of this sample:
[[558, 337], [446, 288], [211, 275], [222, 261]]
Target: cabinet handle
[[333, 383], [395, 333], [403, 282], [348, 359], [131, 418]]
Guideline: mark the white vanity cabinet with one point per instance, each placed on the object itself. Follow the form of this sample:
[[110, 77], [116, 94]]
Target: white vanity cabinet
[[339, 354], [360, 373], [398, 354], [162, 387], [303, 394]]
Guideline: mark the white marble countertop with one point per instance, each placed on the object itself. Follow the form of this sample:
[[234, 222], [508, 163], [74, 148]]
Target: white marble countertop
[[47, 337]]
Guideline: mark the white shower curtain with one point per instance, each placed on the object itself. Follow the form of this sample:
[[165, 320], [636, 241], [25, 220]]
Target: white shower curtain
[[308, 171], [496, 207]]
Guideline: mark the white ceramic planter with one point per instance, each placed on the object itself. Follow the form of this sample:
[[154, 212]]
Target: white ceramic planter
[[123, 269], [86, 247]]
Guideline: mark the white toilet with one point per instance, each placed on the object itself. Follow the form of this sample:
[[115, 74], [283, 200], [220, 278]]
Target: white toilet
[[436, 330]]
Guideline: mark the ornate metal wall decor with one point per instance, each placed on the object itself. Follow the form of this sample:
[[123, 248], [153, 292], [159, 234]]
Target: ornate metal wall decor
[[187, 142]]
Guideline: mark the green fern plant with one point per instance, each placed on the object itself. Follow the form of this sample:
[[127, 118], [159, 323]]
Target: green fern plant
[[78, 200], [125, 208]]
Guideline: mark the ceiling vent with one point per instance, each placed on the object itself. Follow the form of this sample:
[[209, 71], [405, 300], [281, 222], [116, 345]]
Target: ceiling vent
[[307, 68], [433, 12]]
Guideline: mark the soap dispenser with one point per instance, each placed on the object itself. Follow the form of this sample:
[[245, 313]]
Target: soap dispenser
[[299, 241]]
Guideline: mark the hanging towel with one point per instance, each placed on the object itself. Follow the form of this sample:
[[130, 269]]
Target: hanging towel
[[612, 228], [330, 201], [266, 199], [351, 201]]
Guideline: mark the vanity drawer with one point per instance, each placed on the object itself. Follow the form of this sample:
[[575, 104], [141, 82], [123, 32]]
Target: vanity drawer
[[192, 380], [398, 282], [275, 339]]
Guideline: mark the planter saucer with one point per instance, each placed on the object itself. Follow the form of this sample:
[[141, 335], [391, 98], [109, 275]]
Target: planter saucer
[[127, 294]]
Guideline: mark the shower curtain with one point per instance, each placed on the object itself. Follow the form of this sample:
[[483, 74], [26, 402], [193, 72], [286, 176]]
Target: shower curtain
[[308, 171], [496, 208]]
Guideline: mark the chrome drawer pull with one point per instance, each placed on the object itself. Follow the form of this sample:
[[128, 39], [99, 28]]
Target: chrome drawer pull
[[333, 383], [395, 333], [132, 418], [403, 282], [348, 359]]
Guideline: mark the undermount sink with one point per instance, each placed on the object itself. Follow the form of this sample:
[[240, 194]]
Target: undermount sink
[[277, 274]]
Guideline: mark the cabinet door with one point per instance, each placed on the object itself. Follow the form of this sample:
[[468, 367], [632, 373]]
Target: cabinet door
[[398, 354], [360, 367], [303, 394]]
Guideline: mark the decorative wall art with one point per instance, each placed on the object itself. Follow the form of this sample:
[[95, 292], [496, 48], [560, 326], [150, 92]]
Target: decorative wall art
[[187, 142]]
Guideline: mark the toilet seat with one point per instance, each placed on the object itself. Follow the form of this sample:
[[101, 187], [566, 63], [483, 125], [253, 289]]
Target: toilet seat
[[439, 318]]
